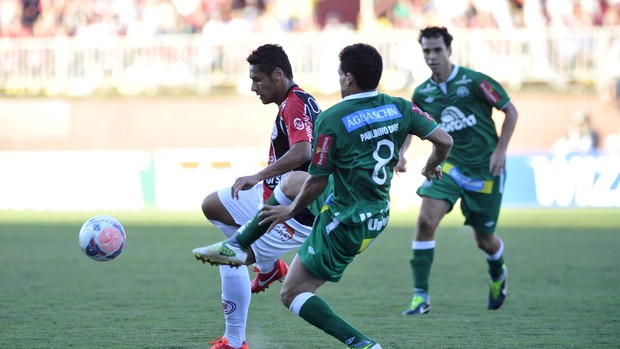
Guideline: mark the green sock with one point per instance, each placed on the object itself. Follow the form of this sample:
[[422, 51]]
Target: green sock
[[421, 266], [319, 314], [496, 268], [253, 231]]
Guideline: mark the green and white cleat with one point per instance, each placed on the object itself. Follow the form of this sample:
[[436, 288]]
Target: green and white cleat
[[418, 306], [221, 253], [497, 291]]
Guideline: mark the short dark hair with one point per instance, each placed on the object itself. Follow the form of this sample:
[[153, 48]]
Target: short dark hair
[[364, 62], [433, 32], [269, 57]]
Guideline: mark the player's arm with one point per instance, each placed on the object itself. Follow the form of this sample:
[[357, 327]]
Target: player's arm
[[442, 143], [497, 163], [299, 154], [401, 166], [312, 188]]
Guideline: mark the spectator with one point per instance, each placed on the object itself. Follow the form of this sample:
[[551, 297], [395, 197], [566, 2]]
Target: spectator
[[581, 137]]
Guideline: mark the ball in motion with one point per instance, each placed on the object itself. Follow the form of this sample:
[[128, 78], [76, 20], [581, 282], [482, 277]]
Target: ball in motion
[[102, 238]]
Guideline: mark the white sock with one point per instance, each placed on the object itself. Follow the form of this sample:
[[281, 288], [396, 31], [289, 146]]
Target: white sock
[[236, 296], [299, 301], [497, 255], [280, 197], [228, 230]]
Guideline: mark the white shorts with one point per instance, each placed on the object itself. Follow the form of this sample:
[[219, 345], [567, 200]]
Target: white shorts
[[275, 243]]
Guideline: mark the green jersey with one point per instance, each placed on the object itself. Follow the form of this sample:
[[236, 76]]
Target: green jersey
[[463, 106], [358, 141]]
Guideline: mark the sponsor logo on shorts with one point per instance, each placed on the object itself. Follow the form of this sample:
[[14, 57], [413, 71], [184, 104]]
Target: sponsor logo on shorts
[[285, 233], [377, 224]]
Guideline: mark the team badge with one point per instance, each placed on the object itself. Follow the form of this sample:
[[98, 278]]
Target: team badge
[[462, 92]]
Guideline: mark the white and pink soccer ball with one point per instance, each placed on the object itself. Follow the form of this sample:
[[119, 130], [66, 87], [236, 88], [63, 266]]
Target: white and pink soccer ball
[[102, 238]]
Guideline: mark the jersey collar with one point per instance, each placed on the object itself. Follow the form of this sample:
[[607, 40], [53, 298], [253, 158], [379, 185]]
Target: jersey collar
[[453, 75], [361, 95]]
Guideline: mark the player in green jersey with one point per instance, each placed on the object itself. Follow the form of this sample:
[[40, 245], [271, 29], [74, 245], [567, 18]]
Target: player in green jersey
[[357, 143], [462, 101]]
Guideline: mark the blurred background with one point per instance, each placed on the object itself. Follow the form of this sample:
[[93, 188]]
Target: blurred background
[[134, 104]]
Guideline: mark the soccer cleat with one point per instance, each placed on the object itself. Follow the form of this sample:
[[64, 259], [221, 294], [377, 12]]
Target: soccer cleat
[[418, 306], [497, 291], [262, 281], [371, 344], [221, 253], [222, 343]]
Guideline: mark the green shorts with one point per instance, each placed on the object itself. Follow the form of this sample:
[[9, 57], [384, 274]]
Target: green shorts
[[479, 190], [332, 245]]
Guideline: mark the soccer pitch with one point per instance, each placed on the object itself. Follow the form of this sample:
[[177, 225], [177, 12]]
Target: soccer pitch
[[563, 286]]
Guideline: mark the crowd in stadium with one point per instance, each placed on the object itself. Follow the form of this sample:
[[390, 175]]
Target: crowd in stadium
[[92, 18]]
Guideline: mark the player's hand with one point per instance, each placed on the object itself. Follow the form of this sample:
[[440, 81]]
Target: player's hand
[[401, 166], [497, 165], [243, 183], [273, 215], [432, 173]]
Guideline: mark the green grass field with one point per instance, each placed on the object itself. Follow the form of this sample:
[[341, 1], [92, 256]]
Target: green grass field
[[564, 287]]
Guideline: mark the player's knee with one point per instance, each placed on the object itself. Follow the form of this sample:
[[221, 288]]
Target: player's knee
[[207, 206], [213, 209], [292, 182], [426, 225], [486, 242], [286, 297]]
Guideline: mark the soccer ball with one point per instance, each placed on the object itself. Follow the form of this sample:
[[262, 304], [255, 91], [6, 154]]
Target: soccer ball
[[102, 238]]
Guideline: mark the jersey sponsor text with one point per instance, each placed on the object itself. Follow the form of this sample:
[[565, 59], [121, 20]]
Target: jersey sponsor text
[[322, 148], [378, 132], [369, 116], [453, 119], [489, 92]]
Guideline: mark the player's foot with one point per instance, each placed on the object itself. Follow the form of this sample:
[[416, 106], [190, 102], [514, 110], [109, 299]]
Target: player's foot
[[497, 291], [262, 281], [418, 306], [222, 343], [370, 344], [222, 253]]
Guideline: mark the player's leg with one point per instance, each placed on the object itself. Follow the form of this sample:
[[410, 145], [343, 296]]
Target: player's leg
[[227, 214], [233, 251], [423, 246], [323, 257], [283, 194], [438, 198], [482, 212], [269, 249], [493, 247], [218, 215], [285, 237]]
